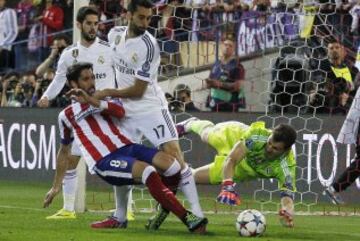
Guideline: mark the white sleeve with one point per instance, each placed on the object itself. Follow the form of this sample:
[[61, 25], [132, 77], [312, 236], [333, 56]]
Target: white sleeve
[[354, 12], [349, 129], [111, 35], [59, 80], [148, 67], [11, 26]]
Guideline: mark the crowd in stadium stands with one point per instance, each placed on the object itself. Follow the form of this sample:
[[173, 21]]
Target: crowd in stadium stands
[[33, 34]]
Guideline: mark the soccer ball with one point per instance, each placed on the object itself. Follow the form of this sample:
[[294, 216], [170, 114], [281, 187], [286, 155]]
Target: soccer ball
[[250, 223]]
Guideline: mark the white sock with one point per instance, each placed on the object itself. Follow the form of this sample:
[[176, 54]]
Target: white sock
[[130, 200], [188, 187], [173, 169], [69, 189], [121, 201]]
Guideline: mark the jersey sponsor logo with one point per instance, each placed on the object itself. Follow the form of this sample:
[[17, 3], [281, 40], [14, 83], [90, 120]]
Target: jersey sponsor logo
[[101, 60], [100, 75], [146, 66], [125, 69], [118, 163]]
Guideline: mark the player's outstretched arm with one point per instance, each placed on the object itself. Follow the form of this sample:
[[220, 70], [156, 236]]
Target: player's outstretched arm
[[61, 166], [135, 91], [56, 85], [236, 155], [228, 195]]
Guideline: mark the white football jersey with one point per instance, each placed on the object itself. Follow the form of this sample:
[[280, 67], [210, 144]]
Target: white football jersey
[[137, 58], [99, 54]]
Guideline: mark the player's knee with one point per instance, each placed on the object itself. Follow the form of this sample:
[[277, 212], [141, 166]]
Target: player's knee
[[163, 160], [173, 148], [138, 169]]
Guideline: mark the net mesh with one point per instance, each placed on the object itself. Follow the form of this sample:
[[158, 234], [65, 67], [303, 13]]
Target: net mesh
[[281, 50]]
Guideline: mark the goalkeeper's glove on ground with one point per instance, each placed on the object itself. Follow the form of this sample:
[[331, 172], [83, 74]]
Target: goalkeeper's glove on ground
[[228, 195]]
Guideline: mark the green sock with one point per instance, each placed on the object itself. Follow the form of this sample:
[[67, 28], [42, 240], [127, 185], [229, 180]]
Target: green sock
[[198, 126]]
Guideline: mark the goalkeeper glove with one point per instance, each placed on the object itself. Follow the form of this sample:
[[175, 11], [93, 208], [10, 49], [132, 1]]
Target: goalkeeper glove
[[286, 218], [228, 195]]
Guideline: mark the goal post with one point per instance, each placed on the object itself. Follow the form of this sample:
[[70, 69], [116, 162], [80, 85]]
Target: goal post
[[80, 198]]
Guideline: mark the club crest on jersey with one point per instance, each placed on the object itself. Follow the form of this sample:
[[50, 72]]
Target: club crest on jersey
[[101, 60], [249, 143], [117, 39], [146, 66], [75, 53], [134, 58]]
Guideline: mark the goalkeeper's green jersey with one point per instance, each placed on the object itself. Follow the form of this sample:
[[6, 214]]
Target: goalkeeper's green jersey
[[223, 138]]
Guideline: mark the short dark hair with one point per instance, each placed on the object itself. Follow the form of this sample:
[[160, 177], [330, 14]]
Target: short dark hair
[[284, 133], [134, 4], [74, 71], [180, 88], [84, 11], [62, 37]]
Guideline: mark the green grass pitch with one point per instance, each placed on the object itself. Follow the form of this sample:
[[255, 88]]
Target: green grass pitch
[[22, 218]]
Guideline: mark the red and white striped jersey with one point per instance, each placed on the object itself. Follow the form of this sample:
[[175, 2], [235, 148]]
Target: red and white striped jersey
[[94, 129]]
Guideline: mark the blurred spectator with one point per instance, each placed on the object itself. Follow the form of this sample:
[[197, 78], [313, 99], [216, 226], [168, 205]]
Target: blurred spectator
[[226, 81], [355, 14], [335, 82], [60, 42], [103, 29], [8, 33], [11, 90], [68, 8], [42, 84], [181, 100], [51, 21], [25, 14]]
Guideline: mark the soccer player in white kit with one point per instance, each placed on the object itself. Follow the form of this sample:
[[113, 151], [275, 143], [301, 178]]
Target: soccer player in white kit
[[136, 60], [110, 154], [98, 52]]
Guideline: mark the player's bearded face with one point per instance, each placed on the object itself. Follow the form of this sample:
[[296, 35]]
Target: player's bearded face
[[87, 81], [139, 20], [89, 27]]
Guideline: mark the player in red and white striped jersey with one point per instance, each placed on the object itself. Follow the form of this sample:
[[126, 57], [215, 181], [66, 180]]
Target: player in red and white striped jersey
[[96, 138], [110, 154]]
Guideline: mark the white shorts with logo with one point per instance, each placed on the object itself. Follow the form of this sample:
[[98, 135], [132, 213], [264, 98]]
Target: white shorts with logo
[[157, 126]]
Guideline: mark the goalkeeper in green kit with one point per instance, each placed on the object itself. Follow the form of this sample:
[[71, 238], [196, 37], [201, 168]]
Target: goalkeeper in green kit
[[244, 153]]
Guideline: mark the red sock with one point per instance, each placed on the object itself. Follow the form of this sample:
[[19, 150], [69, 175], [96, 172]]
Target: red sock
[[164, 196], [172, 182]]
